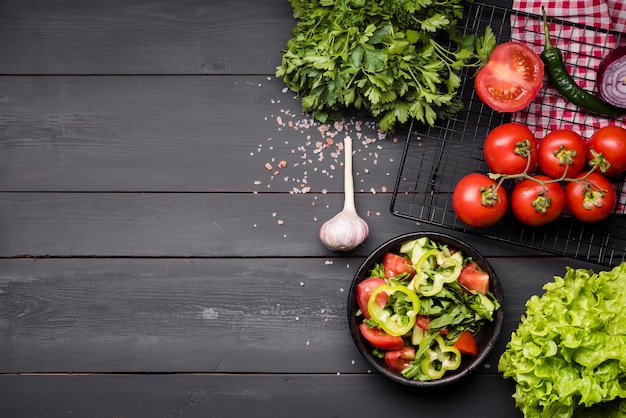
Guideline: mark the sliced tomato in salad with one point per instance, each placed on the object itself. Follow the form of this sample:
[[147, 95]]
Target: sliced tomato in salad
[[395, 265], [378, 338], [466, 343], [399, 360], [363, 292], [423, 322], [473, 278]]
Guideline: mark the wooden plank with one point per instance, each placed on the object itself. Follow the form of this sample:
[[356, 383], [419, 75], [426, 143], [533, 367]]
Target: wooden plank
[[195, 225], [178, 134], [242, 315], [143, 37], [248, 395]]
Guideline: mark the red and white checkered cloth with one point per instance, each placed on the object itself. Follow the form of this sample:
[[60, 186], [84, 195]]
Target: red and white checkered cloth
[[582, 51]]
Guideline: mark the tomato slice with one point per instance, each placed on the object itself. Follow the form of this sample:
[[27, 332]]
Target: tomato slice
[[423, 322], [363, 292], [511, 78], [399, 360], [474, 279], [466, 343], [378, 338], [395, 265]]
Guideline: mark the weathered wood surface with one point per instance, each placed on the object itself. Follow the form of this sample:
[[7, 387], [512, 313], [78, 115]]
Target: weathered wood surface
[[152, 263]]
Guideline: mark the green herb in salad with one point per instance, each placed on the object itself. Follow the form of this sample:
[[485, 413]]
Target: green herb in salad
[[420, 326], [568, 354], [386, 58]]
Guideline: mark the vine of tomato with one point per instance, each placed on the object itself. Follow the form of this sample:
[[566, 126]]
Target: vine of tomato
[[511, 78], [562, 152], [607, 147], [478, 201], [537, 202], [510, 149], [591, 197]]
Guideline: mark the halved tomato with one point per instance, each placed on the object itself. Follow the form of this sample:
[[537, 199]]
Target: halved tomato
[[511, 78]]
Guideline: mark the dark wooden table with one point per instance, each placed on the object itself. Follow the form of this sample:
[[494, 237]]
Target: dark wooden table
[[152, 264]]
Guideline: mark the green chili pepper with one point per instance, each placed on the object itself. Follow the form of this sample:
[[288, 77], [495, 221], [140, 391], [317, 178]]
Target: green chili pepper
[[558, 75], [439, 358], [394, 308]]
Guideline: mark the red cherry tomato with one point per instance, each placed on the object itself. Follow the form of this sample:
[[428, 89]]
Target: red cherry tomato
[[536, 204], [378, 338], [562, 150], [510, 149], [607, 146], [363, 292], [399, 360], [478, 201], [591, 199], [511, 78], [395, 264]]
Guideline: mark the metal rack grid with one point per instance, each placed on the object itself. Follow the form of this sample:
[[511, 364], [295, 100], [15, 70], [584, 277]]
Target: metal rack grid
[[435, 158]]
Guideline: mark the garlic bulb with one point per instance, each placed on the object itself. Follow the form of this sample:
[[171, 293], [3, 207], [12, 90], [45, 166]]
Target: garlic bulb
[[346, 230]]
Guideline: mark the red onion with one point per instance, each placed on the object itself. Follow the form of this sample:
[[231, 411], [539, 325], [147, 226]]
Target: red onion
[[612, 77]]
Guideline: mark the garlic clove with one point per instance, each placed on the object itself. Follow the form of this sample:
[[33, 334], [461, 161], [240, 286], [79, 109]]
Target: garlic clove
[[346, 230]]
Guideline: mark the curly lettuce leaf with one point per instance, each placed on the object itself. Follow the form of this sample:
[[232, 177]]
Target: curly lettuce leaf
[[568, 354]]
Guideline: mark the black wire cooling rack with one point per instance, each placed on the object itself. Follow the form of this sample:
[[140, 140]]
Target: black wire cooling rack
[[436, 158]]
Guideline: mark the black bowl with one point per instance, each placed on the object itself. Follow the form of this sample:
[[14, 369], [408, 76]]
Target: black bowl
[[486, 339]]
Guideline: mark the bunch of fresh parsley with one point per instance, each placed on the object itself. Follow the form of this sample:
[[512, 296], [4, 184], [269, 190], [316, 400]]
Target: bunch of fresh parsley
[[393, 59]]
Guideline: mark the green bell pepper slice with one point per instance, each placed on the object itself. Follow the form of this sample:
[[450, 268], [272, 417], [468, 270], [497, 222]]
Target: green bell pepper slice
[[394, 308], [433, 270], [439, 358]]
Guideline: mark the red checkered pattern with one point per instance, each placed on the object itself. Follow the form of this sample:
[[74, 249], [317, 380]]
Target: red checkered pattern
[[582, 51]]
